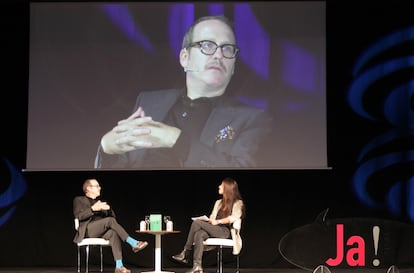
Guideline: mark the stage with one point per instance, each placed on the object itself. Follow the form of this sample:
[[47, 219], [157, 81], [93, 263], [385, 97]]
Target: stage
[[110, 269]]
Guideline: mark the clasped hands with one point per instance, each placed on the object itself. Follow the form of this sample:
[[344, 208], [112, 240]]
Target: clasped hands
[[99, 206], [139, 131]]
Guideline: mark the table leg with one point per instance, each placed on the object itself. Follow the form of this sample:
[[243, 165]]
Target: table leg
[[157, 256], [158, 253]]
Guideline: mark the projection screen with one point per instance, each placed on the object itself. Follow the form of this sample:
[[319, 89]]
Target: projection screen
[[90, 60]]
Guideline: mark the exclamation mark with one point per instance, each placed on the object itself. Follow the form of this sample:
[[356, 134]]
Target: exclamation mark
[[375, 235]]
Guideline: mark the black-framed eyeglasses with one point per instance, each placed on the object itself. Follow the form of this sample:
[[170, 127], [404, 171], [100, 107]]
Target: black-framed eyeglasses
[[207, 47]]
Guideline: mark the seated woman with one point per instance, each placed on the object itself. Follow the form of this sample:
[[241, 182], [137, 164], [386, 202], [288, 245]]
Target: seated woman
[[226, 210]]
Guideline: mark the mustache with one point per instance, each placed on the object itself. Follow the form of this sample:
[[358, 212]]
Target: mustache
[[216, 63]]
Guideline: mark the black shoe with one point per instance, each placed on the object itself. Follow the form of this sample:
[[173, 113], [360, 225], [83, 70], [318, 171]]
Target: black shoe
[[181, 257]]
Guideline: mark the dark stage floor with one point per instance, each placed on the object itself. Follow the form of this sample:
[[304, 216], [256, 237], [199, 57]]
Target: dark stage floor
[[206, 270]]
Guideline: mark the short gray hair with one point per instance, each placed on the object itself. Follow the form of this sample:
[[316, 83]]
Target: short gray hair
[[188, 37]]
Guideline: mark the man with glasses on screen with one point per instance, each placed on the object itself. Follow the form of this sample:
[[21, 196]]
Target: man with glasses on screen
[[197, 127]]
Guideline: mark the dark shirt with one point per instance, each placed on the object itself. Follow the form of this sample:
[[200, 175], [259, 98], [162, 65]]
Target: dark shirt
[[220, 215], [189, 116]]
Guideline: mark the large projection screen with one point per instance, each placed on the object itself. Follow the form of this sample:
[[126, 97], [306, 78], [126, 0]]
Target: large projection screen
[[90, 60]]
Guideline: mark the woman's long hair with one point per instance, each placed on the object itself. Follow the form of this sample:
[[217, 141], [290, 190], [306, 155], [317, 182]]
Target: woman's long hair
[[231, 194]]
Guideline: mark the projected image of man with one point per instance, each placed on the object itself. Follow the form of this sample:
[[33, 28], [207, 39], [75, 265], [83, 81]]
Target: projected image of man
[[199, 126]]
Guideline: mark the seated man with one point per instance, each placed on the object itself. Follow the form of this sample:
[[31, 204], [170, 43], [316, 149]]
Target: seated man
[[97, 219]]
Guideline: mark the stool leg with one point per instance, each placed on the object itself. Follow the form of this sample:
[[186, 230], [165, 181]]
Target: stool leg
[[237, 264], [221, 259], [100, 247], [78, 259], [218, 261], [87, 259]]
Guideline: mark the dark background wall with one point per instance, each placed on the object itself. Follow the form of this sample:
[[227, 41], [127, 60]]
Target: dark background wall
[[39, 230]]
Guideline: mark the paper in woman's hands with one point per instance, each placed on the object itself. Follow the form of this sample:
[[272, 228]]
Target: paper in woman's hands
[[203, 218]]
